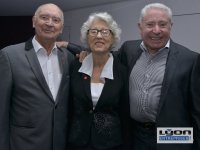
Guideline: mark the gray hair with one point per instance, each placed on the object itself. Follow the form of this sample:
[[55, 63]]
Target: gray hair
[[37, 12], [155, 6], [104, 16]]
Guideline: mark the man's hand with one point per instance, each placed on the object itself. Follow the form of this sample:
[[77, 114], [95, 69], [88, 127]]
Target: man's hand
[[62, 44], [82, 55]]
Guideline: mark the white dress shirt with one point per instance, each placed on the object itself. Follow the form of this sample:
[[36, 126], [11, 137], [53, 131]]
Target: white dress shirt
[[50, 66]]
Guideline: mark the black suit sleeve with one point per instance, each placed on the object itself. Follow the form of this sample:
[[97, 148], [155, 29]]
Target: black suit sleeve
[[195, 93], [125, 110], [121, 54], [5, 96], [74, 48]]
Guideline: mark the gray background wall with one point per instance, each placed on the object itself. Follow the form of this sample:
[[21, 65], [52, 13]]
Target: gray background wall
[[186, 20]]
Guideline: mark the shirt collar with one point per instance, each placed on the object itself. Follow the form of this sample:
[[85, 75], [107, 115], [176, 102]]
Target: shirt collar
[[143, 47], [87, 67], [37, 46]]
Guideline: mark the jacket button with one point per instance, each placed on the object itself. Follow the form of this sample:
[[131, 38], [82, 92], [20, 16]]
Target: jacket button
[[91, 111]]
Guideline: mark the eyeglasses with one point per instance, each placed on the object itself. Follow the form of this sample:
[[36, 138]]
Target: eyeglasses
[[104, 32]]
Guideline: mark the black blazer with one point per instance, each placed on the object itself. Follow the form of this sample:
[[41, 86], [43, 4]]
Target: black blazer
[[105, 126], [180, 94], [30, 119]]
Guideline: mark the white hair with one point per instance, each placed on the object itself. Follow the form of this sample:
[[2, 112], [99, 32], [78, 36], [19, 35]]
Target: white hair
[[37, 12], [104, 16], [155, 6]]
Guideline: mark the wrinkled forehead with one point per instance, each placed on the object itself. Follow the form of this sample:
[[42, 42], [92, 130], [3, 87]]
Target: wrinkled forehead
[[51, 10], [156, 14]]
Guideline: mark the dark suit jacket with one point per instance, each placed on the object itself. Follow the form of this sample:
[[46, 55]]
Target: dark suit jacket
[[29, 117], [105, 126], [180, 94]]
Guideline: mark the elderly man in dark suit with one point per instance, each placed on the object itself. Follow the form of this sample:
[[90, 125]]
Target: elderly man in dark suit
[[164, 79], [34, 87]]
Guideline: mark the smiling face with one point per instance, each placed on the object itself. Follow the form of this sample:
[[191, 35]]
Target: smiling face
[[100, 43], [155, 29], [48, 23]]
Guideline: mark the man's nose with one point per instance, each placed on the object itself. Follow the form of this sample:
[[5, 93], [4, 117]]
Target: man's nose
[[156, 29], [50, 21]]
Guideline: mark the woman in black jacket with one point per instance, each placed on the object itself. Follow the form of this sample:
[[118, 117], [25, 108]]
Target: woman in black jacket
[[99, 115]]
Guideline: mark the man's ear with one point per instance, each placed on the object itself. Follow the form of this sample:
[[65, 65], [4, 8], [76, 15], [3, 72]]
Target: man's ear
[[62, 29], [139, 25], [33, 21]]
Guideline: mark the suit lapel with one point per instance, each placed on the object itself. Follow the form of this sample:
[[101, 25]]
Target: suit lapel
[[171, 67], [108, 86], [104, 94], [134, 59], [64, 67], [133, 55], [34, 63], [87, 88], [63, 61]]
